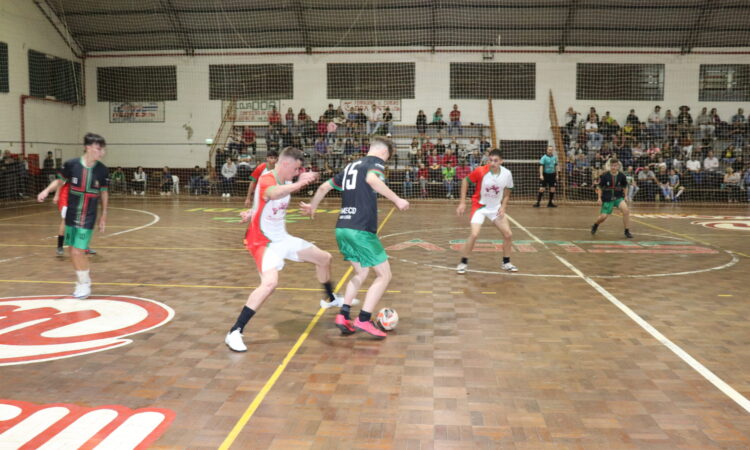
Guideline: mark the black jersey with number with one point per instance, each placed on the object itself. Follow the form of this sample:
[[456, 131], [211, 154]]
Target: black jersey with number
[[359, 201], [612, 186], [86, 185]]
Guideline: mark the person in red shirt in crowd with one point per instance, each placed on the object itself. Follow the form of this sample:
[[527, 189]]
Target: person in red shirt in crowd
[[449, 158], [433, 158], [249, 137], [455, 121], [427, 147], [289, 119], [274, 118], [463, 170], [322, 127]]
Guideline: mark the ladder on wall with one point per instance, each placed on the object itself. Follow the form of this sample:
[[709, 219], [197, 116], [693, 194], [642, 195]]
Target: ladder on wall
[[562, 156], [493, 131], [225, 129]]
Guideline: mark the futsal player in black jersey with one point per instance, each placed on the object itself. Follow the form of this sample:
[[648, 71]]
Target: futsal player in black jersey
[[611, 192], [360, 183], [89, 182]]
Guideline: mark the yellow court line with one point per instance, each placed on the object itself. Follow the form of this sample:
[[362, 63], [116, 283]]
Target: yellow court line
[[232, 436], [489, 292], [685, 236]]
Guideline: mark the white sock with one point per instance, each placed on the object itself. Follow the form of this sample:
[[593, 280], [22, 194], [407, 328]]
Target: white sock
[[83, 276]]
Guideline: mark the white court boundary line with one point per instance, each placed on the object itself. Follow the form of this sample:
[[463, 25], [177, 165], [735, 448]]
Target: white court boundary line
[[156, 219], [711, 377]]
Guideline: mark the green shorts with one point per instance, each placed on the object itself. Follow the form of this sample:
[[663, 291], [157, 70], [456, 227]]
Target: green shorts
[[361, 247], [78, 237], [607, 207]]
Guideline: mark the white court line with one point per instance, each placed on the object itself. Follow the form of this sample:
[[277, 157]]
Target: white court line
[[156, 219], [728, 390], [11, 259]]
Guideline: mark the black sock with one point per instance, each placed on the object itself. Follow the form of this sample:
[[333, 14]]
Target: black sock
[[329, 291], [345, 311], [60, 239], [506, 259], [464, 260], [551, 196], [627, 230], [364, 316], [539, 197], [243, 319]]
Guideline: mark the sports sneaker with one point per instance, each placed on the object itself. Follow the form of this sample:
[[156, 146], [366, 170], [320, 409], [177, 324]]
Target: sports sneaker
[[83, 290], [551, 205], [60, 251], [90, 251], [462, 268], [343, 324], [369, 328], [509, 267], [628, 234], [594, 227], [234, 341], [337, 302]]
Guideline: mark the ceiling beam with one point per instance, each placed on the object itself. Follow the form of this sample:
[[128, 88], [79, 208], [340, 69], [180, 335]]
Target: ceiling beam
[[174, 20]]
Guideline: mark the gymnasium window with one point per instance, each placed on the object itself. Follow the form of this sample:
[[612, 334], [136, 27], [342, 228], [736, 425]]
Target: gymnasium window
[[502, 81], [724, 82], [4, 87], [251, 81], [370, 81], [136, 84], [57, 78], [620, 81]]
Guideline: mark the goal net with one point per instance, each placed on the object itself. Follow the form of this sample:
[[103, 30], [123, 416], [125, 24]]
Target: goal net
[[208, 89]]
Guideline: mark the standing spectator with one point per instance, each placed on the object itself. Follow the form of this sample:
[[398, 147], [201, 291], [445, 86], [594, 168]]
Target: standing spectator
[[272, 141], [437, 120], [289, 119], [414, 151], [286, 137], [595, 139], [228, 172], [48, 168], [118, 181], [684, 120], [732, 182], [250, 138], [139, 181], [331, 131], [337, 154], [375, 120], [656, 124], [571, 122], [167, 182], [321, 152], [329, 113], [387, 120], [738, 128], [421, 123], [449, 173], [423, 176], [455, 121], [705, 124], [274, 118]]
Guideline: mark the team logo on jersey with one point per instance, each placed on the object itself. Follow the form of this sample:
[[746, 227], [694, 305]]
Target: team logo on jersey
[[44, 328], [494, 188], [60, 425], [281, 207]]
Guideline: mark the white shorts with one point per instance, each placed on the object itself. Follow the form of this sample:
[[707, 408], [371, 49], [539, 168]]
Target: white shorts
[[276, 252], [63, 211], [483, 213]]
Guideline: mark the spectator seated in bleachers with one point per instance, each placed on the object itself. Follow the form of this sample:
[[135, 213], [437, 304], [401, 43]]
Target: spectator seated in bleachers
[[228, 174], [117, 184], [139, 181], [166, 181]]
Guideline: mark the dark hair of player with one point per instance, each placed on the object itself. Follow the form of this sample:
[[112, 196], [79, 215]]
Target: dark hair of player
[[496, 152], [93, 139]]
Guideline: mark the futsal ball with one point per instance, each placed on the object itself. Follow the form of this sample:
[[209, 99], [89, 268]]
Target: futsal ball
[[387, 319]]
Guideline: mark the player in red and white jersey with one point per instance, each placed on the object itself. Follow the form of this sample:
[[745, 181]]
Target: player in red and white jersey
[[261, 169], [493, 185], [269, 242]]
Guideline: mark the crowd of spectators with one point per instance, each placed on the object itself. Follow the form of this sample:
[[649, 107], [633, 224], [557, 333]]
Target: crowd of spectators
[[665, 155]]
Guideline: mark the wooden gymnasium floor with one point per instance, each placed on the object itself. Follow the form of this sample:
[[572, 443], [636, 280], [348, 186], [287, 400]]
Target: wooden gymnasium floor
[[595, 343]]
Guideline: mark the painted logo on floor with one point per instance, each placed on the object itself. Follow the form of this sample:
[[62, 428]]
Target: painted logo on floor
[[44, 328], [58, 425], [734, 223]]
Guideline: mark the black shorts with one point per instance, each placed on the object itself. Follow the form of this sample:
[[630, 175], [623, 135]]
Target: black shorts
[[550, 180]]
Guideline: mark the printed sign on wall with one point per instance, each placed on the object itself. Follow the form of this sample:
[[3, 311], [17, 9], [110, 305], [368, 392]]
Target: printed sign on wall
[[136, 112], [393, 105], [253, 111]]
